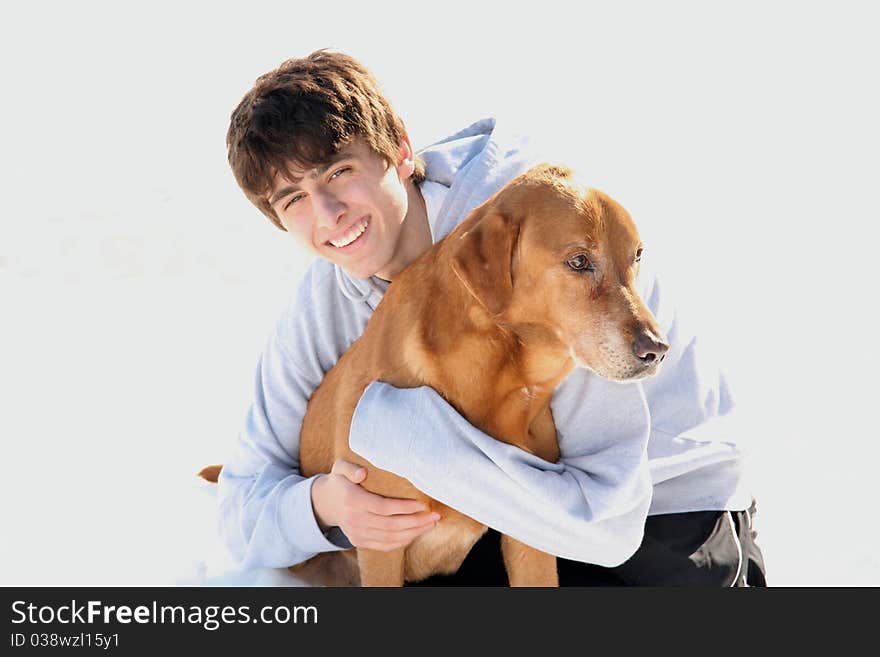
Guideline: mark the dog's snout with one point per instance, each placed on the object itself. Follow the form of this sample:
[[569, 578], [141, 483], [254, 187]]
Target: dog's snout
[[648, 348]]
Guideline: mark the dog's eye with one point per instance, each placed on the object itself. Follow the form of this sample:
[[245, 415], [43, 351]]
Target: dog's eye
[[639, 255], [579, 263]]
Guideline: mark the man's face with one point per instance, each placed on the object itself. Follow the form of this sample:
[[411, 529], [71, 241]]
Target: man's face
[[350, 210]]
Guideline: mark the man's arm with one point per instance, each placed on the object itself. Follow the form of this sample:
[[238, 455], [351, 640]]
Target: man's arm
[[591, 506], [272, 516], [266, 516]]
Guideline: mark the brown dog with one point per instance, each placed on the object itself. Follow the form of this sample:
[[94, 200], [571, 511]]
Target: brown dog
[[538, 279]]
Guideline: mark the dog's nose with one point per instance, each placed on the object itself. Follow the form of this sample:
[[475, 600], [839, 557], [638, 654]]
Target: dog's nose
[[649, 348]]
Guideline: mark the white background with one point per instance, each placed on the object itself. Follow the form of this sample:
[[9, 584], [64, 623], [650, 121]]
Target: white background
[[137, 284]]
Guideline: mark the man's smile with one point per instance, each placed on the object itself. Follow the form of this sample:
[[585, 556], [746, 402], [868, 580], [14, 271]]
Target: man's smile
[[351, 237]]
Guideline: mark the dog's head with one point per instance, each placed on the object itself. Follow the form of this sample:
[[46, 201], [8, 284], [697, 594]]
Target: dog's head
[[546, 254]]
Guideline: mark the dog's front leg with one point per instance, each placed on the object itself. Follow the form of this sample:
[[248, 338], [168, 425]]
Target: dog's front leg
[[381, 568], [527, 566]]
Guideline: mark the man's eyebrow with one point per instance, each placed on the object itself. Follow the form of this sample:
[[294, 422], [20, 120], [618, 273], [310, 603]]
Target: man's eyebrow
[[320, 169], [280, 194]]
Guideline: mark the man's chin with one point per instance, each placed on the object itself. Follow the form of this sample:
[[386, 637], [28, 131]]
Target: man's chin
[[362, 266], [360, 271]]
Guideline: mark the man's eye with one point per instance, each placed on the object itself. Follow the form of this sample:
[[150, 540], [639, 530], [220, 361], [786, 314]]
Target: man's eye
[[336, 173], [579, 262], [293, 199], [639, 255]]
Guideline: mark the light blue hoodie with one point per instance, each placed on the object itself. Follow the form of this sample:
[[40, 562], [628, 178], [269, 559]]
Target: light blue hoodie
[[627, 449]]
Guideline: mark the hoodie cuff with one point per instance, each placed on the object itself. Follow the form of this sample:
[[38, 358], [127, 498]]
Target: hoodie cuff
[[299, 526], [384, 424]]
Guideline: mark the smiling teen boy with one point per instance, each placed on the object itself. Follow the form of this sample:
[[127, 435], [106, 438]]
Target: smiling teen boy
[[317, 148]]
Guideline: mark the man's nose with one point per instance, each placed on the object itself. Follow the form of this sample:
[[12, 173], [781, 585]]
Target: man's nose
[[649, 348], [328, 209]]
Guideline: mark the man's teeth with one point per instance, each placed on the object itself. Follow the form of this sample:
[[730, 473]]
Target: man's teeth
[[351, 235]]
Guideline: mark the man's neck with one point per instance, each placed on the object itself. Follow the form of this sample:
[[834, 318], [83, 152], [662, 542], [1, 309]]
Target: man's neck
[[415, 235]]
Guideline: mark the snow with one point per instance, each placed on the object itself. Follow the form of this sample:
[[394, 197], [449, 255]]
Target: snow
[[137, 284]]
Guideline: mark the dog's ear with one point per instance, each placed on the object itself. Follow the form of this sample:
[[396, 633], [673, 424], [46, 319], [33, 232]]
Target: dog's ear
[[483, 260]]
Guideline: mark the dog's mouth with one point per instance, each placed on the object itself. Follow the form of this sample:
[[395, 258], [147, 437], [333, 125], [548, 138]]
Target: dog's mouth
[[351, 237], [615, 366], [645, 371]]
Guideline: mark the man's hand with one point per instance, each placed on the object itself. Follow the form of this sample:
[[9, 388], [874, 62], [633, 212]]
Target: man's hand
[[368, 520]]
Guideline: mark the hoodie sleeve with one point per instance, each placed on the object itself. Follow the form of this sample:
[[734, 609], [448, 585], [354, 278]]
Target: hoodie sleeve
[[266, 516], [590, 506]]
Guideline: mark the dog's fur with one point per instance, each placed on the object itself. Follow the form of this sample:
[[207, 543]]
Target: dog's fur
[[493, 318]]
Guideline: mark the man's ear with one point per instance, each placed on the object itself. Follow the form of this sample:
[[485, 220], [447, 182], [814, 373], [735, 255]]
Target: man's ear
[[405, 159], [483, 260]]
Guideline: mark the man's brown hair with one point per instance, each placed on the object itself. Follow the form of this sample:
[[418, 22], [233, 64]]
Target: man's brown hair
[[304, 112]]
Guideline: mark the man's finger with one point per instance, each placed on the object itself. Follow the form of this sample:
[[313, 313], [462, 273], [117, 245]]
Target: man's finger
[[406, 536], [390, 506], [354, 473], [399, 523], [390, 541]]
